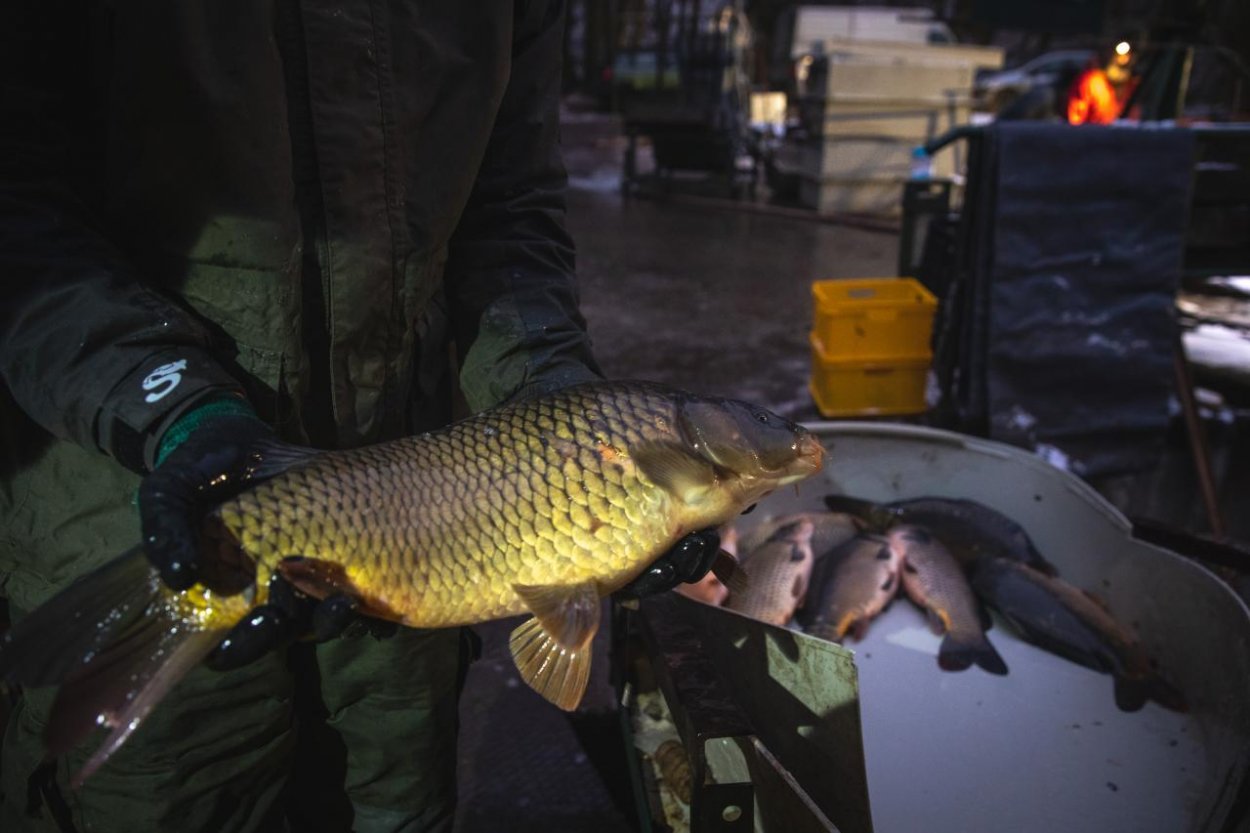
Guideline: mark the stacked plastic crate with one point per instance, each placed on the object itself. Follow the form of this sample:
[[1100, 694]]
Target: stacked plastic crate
[[871, 346]]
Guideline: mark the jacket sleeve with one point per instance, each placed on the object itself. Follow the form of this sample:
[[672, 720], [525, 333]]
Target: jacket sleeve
[[86, 350], [511, 284]]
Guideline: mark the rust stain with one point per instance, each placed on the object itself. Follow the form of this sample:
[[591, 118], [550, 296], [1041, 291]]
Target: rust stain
[[607, 453]]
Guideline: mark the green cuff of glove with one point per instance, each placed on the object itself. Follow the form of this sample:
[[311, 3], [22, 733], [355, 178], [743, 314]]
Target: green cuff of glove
[[215, 408]]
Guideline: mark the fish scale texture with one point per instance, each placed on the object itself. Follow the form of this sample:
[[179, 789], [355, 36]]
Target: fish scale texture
[[778, 572], [436, 530], [934, 579]]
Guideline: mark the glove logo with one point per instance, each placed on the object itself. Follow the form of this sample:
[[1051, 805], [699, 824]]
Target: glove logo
[[163, 380]]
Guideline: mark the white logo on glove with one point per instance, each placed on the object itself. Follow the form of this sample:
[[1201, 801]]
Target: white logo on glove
[[163, 380]]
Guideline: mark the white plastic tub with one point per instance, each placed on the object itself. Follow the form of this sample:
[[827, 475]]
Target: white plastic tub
[[1044, 748]]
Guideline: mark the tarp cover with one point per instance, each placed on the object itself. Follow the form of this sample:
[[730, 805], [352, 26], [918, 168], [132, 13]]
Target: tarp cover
[[1086, 260]]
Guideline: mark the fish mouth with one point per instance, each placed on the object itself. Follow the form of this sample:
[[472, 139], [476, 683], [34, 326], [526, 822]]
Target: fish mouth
[[810, 454], [809, 458]]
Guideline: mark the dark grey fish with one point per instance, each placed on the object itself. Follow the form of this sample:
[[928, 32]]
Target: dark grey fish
[[1069, 622], [970, 530]]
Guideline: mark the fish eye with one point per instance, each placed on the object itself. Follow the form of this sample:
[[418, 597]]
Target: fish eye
[[763, 416]]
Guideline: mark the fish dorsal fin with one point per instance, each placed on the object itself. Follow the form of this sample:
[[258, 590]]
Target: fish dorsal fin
[[675, 469], [271, 458], [799, 590], [552, 650]]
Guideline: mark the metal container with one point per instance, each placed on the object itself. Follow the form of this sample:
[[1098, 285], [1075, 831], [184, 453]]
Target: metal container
[[1045, 747]]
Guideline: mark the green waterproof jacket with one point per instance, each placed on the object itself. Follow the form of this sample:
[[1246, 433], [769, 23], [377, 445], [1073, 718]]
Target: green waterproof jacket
[[310, 202], [330, 207]]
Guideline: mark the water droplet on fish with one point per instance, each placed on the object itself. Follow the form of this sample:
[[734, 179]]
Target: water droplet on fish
[[490, 431]]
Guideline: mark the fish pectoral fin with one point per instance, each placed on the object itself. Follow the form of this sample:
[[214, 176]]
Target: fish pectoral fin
[[568, 613], [675, 470], [315, 577], [556, 672], [730, 573], [552, 650], [937, 622], [323, 579]]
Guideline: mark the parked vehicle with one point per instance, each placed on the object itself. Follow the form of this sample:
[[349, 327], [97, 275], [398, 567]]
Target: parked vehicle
[[993, 91]]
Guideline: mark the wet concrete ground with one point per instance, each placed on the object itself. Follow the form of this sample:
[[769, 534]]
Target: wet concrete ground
[[708, 299]]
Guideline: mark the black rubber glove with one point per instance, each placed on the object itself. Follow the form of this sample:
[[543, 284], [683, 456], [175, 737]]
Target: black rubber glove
[[688, 561], [217, 460], [214, 463], [290, 615]]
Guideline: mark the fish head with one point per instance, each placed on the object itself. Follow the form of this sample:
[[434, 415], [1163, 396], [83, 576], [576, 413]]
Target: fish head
[[749, 445], [906, 538], [798, 531]]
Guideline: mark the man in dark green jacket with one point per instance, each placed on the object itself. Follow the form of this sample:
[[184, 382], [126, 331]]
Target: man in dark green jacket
[[321, 217]]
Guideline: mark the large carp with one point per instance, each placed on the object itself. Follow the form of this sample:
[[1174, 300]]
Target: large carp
[[545, 506]]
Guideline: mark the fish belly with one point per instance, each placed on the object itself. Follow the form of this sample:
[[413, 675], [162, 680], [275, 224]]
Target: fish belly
[[439, 529]]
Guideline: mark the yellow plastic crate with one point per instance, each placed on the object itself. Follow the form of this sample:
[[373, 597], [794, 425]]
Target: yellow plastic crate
[[867, 387], [873, 317]]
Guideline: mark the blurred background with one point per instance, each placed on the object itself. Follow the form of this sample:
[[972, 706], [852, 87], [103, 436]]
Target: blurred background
[[723, 157], [1025, 221]]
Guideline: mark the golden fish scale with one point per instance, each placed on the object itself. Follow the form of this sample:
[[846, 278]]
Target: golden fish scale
[[437, 529]]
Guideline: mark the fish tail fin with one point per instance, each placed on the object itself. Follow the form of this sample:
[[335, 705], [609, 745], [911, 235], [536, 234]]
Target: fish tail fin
[[956, 654], [114, 648], [1132, 692], [823, 629], [730, 573]]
